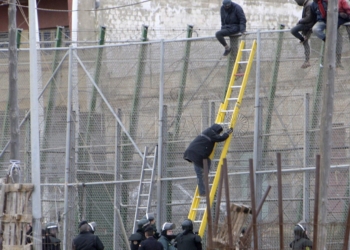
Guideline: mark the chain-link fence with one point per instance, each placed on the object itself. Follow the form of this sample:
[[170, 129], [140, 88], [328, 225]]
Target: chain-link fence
[[131, 96]]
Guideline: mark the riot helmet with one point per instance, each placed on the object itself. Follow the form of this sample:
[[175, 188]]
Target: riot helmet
[[299, 231], [92, 225], [143, 223], [51, 228], [187, 225], [149, 216]]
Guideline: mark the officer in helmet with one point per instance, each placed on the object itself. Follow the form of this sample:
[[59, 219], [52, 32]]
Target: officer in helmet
[[152, 221], [301, 240], [167, 236], [136, 238], [86, 239], [187, 240], [50, 241]]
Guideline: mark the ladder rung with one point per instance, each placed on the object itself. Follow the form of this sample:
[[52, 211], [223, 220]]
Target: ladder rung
[[199, 209], [227, 111], [149, 156], [232, 99], [243, 62], [142, 207], [197, 221], [246, 50], [148, 169], [236, 86], [146, 182], [143, 195]]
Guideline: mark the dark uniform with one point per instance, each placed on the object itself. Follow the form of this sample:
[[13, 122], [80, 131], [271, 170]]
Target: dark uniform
[[49, 241], [187, 240], [151, 244], [87, 241], [139, 236], [301, 241]]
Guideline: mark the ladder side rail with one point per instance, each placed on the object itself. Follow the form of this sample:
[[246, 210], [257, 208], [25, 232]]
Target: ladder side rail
[[152, 178], [244, 84], [226, 145], [223, 106], [144, 163]]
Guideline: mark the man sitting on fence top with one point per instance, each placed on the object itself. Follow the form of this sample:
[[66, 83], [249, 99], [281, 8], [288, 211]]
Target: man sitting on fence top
[[233, 21]]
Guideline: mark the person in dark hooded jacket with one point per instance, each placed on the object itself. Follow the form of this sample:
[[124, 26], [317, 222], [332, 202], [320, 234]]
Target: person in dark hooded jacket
[[301, 240], [233, 21], [201, 147], [304, 25]]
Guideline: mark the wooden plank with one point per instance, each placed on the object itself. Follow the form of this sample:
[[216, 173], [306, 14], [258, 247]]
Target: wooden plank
[[19, 187]]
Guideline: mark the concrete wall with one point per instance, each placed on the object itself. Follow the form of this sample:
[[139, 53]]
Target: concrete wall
[[169, 19]]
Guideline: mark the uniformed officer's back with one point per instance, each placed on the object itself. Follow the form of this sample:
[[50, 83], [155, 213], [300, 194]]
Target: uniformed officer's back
[[150, 243], [187, 240]]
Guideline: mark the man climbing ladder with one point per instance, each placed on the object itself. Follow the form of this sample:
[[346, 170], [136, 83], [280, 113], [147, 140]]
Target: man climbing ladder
[[231, 105]]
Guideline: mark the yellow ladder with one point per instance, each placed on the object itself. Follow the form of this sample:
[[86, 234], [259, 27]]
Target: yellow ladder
[[225, 108]]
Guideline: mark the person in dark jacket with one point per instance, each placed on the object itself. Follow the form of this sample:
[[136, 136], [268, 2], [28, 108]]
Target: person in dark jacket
[[305, 24], [201, 147], [187, 240], [301, 240], [50, 240], [233, 21], [152, 223], [167, 236], [86, 240], [150, 243], [139, 236]]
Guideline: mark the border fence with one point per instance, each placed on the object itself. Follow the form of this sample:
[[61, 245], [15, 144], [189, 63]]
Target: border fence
[[130, 96]]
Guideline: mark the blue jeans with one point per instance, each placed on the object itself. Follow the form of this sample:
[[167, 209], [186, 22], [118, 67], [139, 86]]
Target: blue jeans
[[318, 30], [200, 178]]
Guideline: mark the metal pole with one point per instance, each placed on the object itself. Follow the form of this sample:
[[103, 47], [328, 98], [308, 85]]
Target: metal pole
[[116, 226], [326, 118], [306, 175], [257, 105], [160, 133], [280, 199], [34, 127], [252, 197], [67, 158], [13, 86], [316, 208]]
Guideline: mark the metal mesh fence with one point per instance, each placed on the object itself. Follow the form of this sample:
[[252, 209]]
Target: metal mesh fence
[[118, 94]]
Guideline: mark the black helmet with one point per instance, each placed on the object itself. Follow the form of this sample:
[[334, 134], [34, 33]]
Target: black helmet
[[92, 225], [187, 225], [51, 225], [143, 223], [149, 216], [168, 226], [217, 127], [299, 231], [51, 228]]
